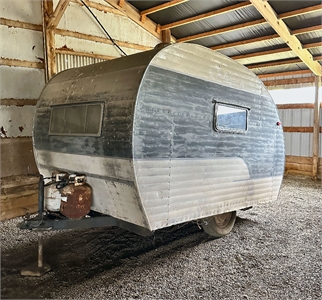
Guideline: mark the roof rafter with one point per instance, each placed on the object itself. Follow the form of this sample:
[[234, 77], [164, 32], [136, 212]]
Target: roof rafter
[[200, 17], [247, 24], [273, 51], [161, 7], [287, 73], [280, 27], [265, 38], [301, 11], [221, 30]]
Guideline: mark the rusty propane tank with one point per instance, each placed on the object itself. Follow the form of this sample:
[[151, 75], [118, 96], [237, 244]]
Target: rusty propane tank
[[76, 198]]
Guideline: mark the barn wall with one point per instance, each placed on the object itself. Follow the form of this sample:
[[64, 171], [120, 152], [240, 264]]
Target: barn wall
[[78, 41], [297, 120], [22, 79]]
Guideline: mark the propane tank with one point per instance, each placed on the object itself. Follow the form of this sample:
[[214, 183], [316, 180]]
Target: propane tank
[[52, 193], [76, 197]]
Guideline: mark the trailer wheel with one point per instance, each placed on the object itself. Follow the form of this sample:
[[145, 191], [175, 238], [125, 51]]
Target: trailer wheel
[[219, 225]]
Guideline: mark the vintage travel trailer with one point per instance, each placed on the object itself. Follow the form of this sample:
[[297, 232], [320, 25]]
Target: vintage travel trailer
[[171, 135]]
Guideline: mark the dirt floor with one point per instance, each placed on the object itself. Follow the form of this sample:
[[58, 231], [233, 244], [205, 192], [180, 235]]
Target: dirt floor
[[273, 252]]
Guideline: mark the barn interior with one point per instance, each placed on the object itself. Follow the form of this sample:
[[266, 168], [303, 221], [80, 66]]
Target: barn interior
[[280, 41]]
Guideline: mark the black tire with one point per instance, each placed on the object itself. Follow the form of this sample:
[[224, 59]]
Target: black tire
[[219, 225]]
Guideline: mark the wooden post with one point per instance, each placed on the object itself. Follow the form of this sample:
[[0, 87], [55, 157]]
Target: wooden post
[[49, 40], [316, 128], [166, 36]]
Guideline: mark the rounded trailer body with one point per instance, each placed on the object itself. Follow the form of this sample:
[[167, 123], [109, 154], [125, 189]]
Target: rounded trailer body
[[170, 135]]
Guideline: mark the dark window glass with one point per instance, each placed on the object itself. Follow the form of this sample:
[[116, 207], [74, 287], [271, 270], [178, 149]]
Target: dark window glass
[[78, 119]]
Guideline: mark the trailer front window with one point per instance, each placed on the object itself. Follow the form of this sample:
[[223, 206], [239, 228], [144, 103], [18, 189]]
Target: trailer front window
[[230, 118], [76, 119]]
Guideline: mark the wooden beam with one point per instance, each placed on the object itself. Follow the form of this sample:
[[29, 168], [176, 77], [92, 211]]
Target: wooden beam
[[291, 40], [289, 81], [161, 7], [261, 53], [264, 38], [207, 15], [306, 30], [221, 30], [301, 11], [56, 16], [20, 24], [291, 61], [288, 73], [298, 129], [316, 127], [49, 40], [99, 39], [86, 54], [166, 36], [312, 45], [246, 42], [21, 63], [295, 106], [132, 13], [99, 7]]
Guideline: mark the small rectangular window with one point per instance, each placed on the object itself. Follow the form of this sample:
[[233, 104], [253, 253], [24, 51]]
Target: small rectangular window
[[76, 119], [230, 118]]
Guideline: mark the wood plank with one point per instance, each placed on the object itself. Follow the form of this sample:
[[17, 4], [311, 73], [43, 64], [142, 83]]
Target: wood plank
[[17, 212], [300, 11], [204, 16], [87, 54], [49, 40], [9, 203], [221, 30], [18, 102], [298, 172], [306, 29], [21, 63], [283, 62], [288, 73], [312, 45], [99, 7], [162, 7], [298, 167], [295, 106], [20, 24], [166, 36], [55, 18], [246, 42], [299, 159], [289, 81], [264, 38], [261, 53], [17, 157], [292, 41], [298, 129], [98, 39]]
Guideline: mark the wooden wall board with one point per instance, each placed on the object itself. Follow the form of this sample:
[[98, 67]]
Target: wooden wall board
[[17, 157]]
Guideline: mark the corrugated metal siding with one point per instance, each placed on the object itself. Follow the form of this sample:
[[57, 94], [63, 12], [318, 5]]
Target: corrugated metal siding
[[68, 61], [298, 143]]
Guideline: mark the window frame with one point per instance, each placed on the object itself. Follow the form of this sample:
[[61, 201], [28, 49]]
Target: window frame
[[84, 134], [231, 105]]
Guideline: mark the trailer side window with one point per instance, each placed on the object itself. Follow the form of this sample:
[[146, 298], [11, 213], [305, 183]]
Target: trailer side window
[[76, 119], [230, 118]]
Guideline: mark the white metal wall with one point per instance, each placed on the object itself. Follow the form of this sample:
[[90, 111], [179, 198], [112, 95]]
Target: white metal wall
[[299, 143]]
